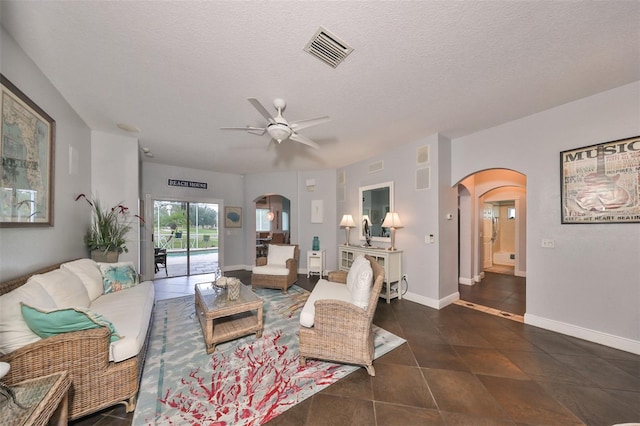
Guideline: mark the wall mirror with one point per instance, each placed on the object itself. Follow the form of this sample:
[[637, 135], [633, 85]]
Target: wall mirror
[[375, 202]]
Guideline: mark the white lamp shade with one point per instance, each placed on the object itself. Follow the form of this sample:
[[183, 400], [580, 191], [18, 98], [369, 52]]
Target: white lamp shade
[[392, 220], [347, 221]]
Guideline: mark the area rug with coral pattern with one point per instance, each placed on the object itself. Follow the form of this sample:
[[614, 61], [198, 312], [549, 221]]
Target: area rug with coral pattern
[[247, 381]]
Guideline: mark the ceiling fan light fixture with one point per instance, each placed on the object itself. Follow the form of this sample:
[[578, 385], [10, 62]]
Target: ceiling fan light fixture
[[279, 131]]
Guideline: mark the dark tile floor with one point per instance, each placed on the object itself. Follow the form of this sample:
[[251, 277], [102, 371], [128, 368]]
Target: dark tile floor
[[500, 291], [462, 367]]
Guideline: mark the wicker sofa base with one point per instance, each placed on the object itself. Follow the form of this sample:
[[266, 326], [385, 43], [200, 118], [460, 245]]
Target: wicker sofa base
[[96, 382]]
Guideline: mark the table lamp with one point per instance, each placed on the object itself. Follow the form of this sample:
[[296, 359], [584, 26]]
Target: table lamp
[[347, 223], [392, 221]]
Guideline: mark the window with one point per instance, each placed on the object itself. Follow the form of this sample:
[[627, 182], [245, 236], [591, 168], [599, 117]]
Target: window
[[285, 221], [262, 223]]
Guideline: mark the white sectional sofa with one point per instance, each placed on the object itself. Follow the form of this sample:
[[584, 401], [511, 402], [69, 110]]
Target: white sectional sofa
[[89, 319]]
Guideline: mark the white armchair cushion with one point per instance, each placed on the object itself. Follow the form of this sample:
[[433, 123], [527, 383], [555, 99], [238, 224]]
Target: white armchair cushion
[[278, 255], [64, 287], [270, 270], [354, 271], [323, 290], [14, 331], [88, 272], [359, 282]]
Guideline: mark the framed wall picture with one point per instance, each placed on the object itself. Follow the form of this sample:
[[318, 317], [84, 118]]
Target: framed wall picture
[[601, 183], [233, 217], [316, 211], [27, 158]]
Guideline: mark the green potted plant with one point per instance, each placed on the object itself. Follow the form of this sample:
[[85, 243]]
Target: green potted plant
[[106, 236]]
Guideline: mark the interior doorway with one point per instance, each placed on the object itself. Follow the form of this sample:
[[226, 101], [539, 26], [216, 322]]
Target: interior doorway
[[492, 240], [273, 222], [185, 238], [499, 236]]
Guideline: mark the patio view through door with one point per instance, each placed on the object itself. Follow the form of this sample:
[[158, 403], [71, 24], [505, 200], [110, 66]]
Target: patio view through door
[[185, 236]]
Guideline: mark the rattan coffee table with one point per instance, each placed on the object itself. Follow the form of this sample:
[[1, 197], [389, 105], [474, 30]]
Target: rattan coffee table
[[223, 320]]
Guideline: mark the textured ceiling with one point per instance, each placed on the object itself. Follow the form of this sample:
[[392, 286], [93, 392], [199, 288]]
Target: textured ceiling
[[180, 70]]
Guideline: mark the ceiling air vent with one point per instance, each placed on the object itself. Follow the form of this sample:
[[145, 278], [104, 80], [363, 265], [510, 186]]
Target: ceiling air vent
[[328, 48]]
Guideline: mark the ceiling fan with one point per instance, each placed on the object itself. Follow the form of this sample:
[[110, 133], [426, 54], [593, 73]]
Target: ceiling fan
[[278, 128]]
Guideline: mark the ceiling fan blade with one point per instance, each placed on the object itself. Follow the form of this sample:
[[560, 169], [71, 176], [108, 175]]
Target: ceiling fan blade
[[303, 124], [262, 110], [304, 140], [253, 130]]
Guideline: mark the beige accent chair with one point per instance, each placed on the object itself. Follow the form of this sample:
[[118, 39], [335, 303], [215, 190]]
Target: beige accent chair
[[342, 332], [279, 269]]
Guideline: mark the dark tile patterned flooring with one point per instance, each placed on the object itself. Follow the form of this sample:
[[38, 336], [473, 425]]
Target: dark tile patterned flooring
[[462, 367]]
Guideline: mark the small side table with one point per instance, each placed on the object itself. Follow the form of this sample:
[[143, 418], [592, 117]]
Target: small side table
[[316, 262], [46, 398]]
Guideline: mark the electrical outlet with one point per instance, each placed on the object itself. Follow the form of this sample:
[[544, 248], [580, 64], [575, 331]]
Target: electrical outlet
[[404, 277], [547, 243]]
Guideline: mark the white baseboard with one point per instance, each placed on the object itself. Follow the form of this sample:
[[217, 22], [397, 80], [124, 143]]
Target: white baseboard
[[466, 281], [479, 277], [610, 340], [238, 268], [432, 303], [520, 273]]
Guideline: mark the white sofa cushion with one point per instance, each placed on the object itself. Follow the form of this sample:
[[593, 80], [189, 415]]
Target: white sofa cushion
[[323, 290], [270, 270], [64, 287], [88, 272], [14, 331], [129, 311], [278, 255]]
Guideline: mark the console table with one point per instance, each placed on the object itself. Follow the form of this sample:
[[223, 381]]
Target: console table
[[391, 261]]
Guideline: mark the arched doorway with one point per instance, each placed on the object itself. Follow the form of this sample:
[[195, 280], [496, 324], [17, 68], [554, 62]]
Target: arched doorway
[[273, 221], [492, 239]]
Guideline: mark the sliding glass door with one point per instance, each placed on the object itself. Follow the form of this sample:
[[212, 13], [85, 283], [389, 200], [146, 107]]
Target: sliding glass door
[[185, 236]]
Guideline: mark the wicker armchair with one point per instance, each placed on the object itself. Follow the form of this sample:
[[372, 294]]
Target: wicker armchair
[[260, 277], [342, 332]]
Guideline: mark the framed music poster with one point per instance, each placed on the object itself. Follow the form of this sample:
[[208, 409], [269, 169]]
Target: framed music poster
[[601, 183]]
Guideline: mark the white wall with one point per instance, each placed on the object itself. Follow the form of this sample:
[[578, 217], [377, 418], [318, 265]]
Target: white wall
[[26, 249], [325, 190], [293, 185], [588, 285], [431, 269], [225, 187], [114, 180]]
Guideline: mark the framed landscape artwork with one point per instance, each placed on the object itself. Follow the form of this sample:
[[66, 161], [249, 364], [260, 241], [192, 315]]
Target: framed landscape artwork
[[601, 183], [26, 154], [233, 217]]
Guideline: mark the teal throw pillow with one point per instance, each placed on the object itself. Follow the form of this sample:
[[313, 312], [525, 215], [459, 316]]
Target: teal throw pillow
[[50, 322], [118, 276]]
